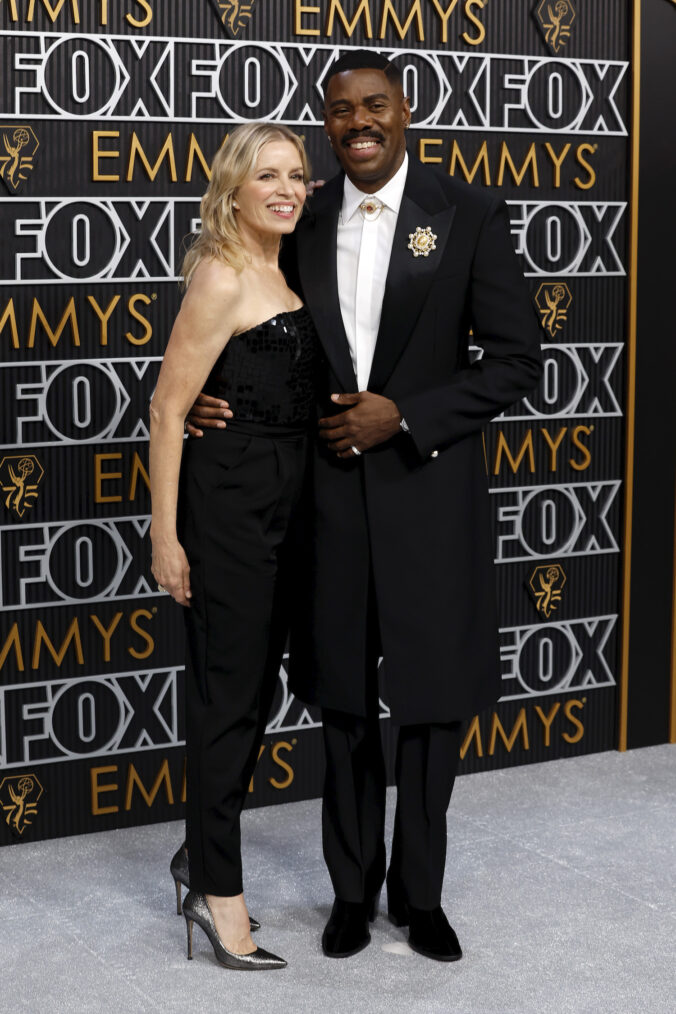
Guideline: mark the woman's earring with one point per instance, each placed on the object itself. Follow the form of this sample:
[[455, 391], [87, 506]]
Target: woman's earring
[[235, 205]]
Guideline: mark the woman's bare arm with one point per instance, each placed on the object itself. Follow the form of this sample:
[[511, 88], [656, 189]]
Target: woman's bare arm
[[208, 316]]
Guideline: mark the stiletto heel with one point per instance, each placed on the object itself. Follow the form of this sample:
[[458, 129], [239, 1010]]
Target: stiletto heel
[[373, 911], [178, 867], [196, 909]]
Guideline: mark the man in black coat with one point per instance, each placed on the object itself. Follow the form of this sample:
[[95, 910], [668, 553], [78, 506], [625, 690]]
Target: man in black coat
[[397, 262]]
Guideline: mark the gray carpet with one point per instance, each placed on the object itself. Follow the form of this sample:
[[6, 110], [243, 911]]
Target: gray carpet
[[560, 881]]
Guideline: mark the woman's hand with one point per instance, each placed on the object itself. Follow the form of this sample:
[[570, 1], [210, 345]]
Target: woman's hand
[[171, 569]]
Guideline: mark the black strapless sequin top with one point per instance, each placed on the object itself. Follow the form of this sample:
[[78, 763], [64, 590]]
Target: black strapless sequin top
[[268, 374]]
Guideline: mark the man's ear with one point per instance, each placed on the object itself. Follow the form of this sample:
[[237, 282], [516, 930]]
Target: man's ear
[[406, 109]]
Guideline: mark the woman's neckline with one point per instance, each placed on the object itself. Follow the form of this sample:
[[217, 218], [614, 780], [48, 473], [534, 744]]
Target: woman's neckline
[[280, 313]]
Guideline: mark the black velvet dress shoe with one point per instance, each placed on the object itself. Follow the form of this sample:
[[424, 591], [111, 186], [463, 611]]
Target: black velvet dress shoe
[[431, 934], [347, 931]]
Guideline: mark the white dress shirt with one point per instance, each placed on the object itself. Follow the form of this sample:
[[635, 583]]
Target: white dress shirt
[[364, 248]]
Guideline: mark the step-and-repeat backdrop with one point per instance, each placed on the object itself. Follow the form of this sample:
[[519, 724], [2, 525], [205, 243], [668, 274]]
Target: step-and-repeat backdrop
[[110, 112]]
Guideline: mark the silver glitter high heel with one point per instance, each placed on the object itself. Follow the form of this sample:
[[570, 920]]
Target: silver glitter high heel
[[196, 910], [178, 867]]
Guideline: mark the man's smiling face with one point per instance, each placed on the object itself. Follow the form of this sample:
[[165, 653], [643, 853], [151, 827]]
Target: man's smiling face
[[365, 115]]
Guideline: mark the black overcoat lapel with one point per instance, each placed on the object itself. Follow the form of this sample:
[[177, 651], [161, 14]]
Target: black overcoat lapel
[[317, 265], [409, 277]]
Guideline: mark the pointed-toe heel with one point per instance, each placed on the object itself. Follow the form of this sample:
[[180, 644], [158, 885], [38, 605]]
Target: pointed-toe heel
[[178, 867], [196, 910]]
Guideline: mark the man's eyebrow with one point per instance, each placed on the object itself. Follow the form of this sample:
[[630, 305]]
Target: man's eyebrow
[[367, 98]]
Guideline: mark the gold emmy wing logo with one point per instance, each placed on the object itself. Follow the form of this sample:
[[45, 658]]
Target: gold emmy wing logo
[[235, 14], [546, 584], [19, 796], [556, 19], [20, 477], [17, 149], [553, 300]]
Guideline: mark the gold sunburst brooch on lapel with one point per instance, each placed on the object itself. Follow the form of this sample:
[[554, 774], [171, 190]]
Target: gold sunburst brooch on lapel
[[422, 241]]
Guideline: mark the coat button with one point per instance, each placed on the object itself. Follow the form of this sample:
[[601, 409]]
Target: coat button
[[434, 454]]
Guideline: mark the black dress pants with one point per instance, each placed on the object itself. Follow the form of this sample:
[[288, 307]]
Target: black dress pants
[[239, 496], [353, 811]]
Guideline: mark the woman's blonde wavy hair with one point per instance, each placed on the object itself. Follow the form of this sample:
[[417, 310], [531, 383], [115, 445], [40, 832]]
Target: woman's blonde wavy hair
[[232, 166]]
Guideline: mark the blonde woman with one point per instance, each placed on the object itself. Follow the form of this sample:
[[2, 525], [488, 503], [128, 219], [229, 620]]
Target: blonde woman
[[223, 515]]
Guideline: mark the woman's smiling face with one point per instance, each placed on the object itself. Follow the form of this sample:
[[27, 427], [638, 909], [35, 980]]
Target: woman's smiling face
[[272, 199]]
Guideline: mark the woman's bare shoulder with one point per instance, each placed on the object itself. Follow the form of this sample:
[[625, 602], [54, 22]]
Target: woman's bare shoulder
[[215, 280]]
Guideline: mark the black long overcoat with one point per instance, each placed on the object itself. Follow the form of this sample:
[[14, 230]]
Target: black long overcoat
[[417, 507]]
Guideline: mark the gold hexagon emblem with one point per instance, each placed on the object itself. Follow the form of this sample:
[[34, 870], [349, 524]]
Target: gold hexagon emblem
[[422, 241], [19, 796], [20, 476], [18, 145], [235, 14], [546, 586], [555, 18], [553, 301]]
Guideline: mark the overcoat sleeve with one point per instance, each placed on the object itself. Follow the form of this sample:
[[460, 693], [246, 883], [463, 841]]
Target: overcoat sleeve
[[505, 327]]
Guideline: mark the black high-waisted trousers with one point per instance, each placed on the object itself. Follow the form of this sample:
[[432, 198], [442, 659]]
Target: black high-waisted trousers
[[240, 494]]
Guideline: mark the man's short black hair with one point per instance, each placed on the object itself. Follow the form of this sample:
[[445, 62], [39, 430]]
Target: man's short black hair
[[364, 59]]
